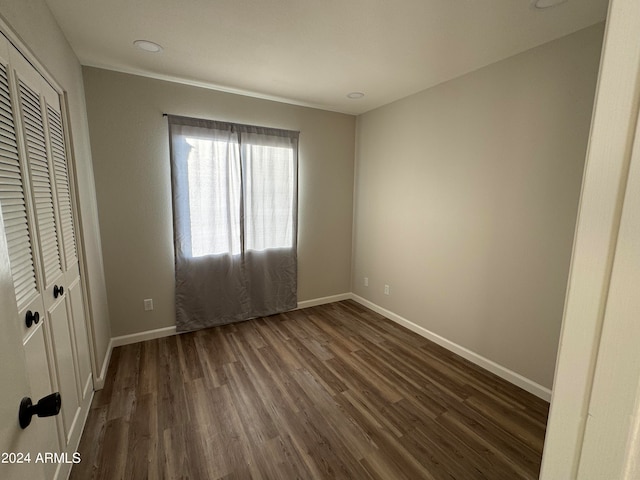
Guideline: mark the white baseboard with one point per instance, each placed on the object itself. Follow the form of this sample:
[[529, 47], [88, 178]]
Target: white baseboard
[[98, 383], [143, 336], [503, 372], [126, 340], [323, 300]]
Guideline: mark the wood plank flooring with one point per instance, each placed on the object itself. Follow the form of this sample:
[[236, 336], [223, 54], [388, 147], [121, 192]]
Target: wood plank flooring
[[329, 392]]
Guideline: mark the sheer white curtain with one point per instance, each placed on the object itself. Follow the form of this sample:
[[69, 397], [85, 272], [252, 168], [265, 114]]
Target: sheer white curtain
[[214, 189], [235, 221], [269, 194]]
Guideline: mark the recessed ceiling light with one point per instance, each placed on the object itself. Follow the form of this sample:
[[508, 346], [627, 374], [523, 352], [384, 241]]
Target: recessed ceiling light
[[355, 95], [542, 4], [148, 46]]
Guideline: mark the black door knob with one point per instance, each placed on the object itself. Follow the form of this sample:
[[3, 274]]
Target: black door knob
[[46, 407], [57, 291], [32, 318]]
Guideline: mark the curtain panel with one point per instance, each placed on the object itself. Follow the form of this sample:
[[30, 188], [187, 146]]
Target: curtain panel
[[235, 219]]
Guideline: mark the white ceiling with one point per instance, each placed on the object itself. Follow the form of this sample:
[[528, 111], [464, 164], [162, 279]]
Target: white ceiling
[[314, 52]]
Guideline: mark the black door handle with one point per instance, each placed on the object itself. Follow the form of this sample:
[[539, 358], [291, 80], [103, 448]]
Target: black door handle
[[32, 318], [57, 291], [46, 407]]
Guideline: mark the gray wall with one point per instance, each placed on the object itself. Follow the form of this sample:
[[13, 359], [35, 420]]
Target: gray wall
[[129, 140], [37, 28], [466, 198]]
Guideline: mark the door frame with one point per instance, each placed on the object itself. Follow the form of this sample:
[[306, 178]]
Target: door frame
[[14, 38], [586, 437]]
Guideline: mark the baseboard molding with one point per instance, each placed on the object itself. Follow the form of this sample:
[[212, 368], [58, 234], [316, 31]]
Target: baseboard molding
[[143, 336], [126, 340], [503, 372], [98, 383], [324, 300]]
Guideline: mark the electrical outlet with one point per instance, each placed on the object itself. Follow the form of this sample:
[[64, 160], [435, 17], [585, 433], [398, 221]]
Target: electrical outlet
[[387, 290], [148, 304], [366, 281]]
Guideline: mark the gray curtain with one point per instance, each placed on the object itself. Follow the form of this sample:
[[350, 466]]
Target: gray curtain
[[235, 218]]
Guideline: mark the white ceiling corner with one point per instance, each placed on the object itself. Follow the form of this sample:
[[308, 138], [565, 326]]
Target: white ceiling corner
[[314, 52]]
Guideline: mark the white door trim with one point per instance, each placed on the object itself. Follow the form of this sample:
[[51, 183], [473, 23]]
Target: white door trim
[[587, 308]]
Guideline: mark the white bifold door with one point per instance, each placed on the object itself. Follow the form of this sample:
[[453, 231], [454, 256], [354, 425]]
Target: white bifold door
[[38, 216]]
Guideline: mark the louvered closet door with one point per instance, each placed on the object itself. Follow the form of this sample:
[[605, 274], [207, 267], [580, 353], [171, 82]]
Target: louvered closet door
[[33, 118], [70, 263], [13, 200], [34, 96], [19, 226], [22, 248], [69, 250]]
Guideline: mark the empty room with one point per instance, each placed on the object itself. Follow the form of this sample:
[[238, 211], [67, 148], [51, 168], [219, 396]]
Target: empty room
[[319, 240]]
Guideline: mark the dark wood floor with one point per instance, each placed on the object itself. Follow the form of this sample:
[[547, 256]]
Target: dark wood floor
[[332, 392]]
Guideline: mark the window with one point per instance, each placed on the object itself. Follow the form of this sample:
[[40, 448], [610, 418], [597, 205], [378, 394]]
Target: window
[[216, 196], [235, 220]]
